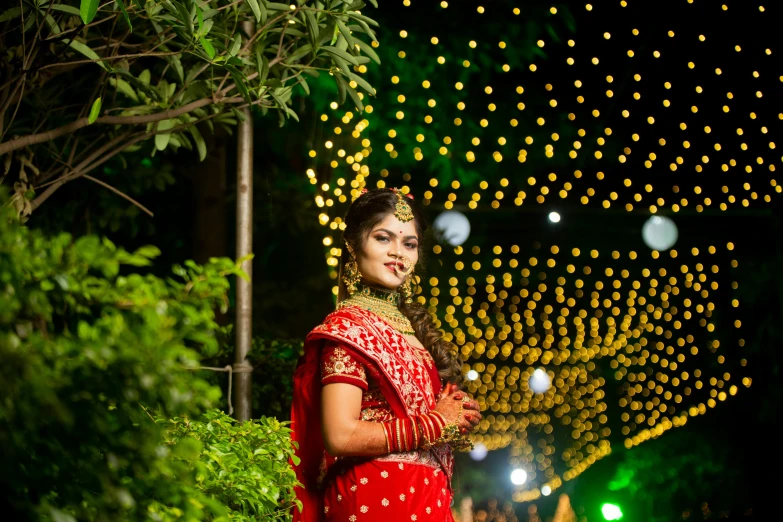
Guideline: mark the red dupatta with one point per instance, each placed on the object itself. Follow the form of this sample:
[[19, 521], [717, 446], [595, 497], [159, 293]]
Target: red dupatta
[[405, 383]]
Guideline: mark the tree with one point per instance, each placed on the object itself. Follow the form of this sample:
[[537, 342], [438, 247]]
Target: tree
[[153, 74]]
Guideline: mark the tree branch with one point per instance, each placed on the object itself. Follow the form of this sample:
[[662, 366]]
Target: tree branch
[[119, 193], [105, 59], [84, 167], [32, 139]]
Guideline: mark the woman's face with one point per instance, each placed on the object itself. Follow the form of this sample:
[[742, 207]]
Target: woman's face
[[380, 261]]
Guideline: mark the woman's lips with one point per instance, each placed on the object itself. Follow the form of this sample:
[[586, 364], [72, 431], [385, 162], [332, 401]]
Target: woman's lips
[[394, 267]]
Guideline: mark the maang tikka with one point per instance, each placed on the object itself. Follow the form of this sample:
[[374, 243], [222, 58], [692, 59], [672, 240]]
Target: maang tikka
[[351, 274], [402, 210]]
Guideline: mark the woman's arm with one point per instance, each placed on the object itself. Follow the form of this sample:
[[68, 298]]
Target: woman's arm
[[345, 434]]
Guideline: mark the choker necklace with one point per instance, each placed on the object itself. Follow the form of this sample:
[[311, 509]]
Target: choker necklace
[[383, 303]]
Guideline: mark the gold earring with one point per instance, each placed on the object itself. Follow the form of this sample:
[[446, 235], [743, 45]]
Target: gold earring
[[351, 274], [406, 289]]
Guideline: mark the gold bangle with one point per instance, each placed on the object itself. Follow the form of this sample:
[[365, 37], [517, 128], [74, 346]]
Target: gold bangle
[[386, 437], [399, 439]]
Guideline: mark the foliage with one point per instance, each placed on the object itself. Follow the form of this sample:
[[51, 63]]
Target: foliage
[[681, 469], [152, 75], [87, 349], [244, 467]]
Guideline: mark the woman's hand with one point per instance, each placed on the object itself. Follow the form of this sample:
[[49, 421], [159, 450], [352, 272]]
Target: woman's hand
[[464, 414]]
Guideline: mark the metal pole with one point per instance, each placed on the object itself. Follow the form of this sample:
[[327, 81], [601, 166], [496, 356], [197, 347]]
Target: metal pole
[[244, 320]]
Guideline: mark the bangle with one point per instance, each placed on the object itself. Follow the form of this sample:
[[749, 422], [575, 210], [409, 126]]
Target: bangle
[[386, 437]]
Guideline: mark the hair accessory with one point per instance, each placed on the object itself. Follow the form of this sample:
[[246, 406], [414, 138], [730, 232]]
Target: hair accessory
[[402, 210], [363, 191]]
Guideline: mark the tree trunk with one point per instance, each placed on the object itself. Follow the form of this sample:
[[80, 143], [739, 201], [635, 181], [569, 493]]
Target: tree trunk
[[244, 305]]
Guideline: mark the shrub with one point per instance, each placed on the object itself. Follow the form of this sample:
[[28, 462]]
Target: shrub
[[242, 466], [90, 352]]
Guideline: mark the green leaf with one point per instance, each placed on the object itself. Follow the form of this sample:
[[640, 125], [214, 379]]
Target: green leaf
[[369, 51], [355, 97], [185, 17], [66, 9], [255, 8], [291, 113], [346, 33], [199, 140], [125, 14], [359, 17], [239, 80], [312, 26], [342, 87], [87, 10], [334, 51], [177, 64], [304, 85], [95, 111], [299, 53], [162, 139], [14, 12], [361, 82], [275, 6], [236, 44], [207, 45], [53, 27], [86, 51], [124, 87], [199, 18]]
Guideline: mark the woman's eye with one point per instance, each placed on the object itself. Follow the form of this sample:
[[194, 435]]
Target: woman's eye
[[411, 245], [382, 238]]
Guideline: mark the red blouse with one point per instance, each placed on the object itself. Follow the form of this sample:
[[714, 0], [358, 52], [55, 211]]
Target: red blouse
[[340, 363]]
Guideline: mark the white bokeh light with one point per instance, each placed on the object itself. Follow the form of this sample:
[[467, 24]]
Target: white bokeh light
[[554, 217], [539, 382], [518, 477], [546, 490], [659, 233], [453, 227], [479, 452], [472, 375]]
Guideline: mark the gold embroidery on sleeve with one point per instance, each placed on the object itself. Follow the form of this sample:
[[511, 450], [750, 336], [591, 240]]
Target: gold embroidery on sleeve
[[340, 363]]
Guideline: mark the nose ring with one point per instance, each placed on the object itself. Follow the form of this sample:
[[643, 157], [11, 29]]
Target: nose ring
[[407, 264]]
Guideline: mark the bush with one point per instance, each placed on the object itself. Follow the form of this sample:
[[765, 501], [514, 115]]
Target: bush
[[242, 466], [91, 352]]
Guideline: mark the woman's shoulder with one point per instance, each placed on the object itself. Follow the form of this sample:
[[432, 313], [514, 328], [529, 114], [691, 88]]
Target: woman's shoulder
[[343, 320]]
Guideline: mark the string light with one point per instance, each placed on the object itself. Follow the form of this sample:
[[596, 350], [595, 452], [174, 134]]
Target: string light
[[605, 125]]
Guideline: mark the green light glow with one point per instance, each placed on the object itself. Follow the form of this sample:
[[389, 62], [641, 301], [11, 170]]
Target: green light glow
[[611, 512]]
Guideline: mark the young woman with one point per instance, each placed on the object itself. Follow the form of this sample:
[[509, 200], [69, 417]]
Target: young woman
[[377, 409]]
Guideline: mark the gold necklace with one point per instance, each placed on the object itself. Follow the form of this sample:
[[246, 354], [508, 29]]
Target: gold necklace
[[384, 303]]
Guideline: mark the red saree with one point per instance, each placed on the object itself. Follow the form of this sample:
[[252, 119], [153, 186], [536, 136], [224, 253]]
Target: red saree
[[399, 486]]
